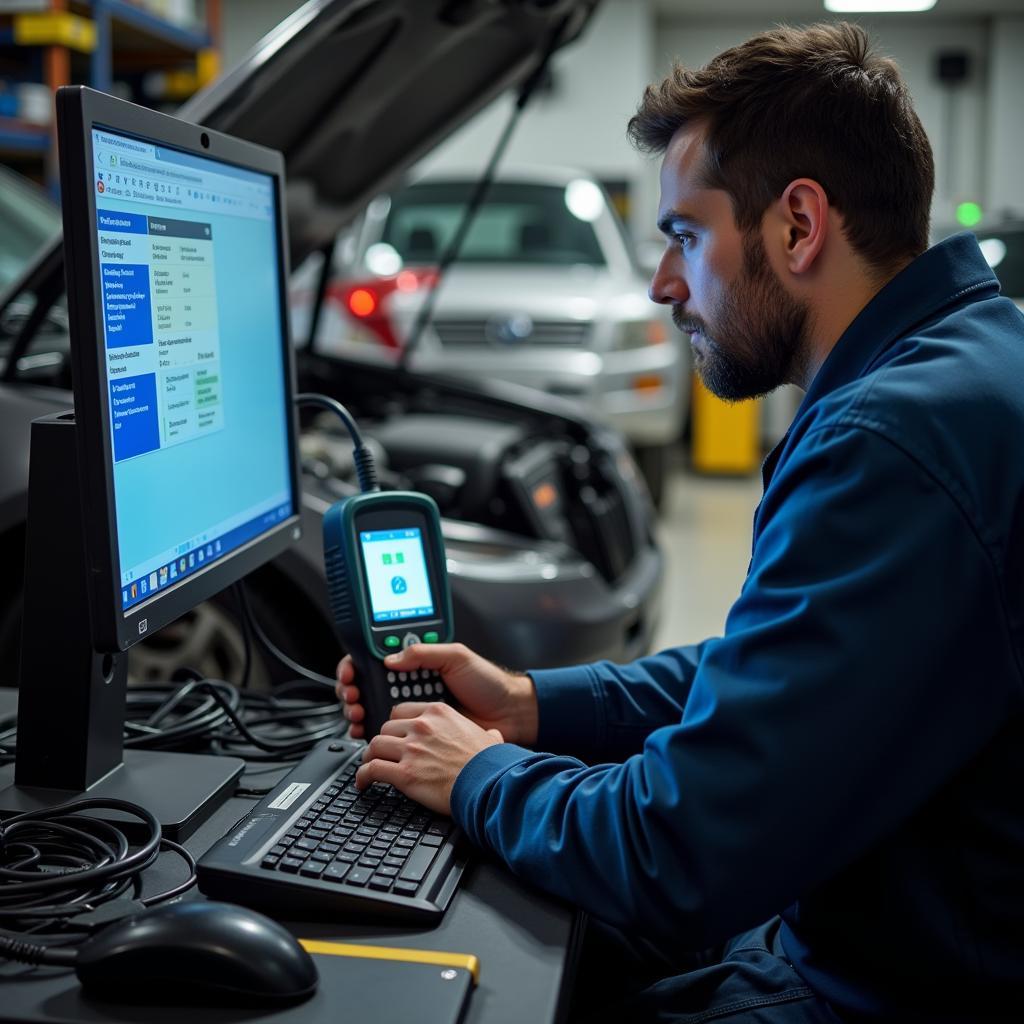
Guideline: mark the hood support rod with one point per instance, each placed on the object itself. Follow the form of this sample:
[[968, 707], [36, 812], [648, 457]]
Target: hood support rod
[[451, 253]]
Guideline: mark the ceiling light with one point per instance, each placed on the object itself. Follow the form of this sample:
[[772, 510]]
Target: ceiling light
[[878, 6]]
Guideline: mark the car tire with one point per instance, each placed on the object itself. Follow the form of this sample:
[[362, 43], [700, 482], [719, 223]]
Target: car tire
[[653, 460]]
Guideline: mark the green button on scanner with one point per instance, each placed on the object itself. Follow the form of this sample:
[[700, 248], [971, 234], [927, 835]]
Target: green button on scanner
[[392, 641], [430, 638]]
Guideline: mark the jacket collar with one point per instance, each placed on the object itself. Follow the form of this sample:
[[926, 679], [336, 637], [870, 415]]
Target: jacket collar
[[945, 275]]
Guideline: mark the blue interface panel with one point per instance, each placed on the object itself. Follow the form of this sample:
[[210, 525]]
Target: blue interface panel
[[188, 261], [396, 574]]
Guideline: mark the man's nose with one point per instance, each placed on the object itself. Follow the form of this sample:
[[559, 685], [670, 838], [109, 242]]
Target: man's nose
[[667, 285]]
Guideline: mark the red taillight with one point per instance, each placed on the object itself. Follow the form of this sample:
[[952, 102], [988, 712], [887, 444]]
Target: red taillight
[[367, 301], [362, 302]]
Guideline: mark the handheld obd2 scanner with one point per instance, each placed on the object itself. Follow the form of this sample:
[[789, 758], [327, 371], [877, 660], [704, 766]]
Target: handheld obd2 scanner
[[388, 585]]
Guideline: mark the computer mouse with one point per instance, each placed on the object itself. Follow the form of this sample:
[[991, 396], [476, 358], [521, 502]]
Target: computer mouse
[[197, 952]]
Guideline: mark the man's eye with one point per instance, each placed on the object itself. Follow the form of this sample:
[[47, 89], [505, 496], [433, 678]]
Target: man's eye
[[685, 239]]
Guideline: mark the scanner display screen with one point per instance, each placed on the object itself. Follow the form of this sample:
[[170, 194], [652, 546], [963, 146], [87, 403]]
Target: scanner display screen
[[396, 574]]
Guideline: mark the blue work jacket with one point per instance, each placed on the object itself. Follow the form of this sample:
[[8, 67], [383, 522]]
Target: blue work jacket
[[850, 753]]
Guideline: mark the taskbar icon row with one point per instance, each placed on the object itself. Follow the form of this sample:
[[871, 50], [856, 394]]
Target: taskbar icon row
[[167, 575]]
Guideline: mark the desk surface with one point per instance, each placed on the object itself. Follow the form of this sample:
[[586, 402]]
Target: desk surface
[[523, 939]]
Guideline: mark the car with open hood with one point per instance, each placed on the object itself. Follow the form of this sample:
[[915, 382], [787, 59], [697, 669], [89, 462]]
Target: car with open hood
[[545, 291], [548, 525]]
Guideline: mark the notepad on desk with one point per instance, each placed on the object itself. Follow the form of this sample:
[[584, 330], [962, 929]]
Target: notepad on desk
[[383, 984]]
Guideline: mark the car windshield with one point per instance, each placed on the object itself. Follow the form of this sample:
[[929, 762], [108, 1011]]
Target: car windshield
[[517, 223], [29, 221]]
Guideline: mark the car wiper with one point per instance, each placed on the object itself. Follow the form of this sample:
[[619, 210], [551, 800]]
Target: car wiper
[[451, 252]]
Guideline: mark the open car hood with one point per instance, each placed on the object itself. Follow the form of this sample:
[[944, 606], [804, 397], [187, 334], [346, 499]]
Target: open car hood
[[353, 92]]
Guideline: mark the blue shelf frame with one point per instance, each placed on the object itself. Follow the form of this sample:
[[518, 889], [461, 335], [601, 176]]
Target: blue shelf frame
[[14, 137], [106, 12]]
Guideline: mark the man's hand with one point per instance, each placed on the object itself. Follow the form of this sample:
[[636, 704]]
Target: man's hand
[[490, 696], [421, 749]]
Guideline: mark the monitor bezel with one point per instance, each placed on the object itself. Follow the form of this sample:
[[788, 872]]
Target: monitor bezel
[[79, 111]]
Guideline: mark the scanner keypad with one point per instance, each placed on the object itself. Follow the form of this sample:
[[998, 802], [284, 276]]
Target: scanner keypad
[[419, 684]]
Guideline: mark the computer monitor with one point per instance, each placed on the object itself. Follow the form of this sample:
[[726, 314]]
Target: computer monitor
[[184, 430]]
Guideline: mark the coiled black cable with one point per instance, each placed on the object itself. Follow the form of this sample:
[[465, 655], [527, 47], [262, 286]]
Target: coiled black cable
[[60, 864], [213, 716]]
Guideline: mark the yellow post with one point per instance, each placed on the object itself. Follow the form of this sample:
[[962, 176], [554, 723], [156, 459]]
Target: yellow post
[[726, 436]]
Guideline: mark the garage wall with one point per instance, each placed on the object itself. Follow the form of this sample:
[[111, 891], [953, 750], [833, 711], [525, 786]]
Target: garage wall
[[1005, 183], [953, 116], [245, 22], [975, 127]]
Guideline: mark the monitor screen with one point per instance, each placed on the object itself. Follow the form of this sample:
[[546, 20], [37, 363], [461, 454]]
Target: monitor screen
[[188, 253], [396, 574]]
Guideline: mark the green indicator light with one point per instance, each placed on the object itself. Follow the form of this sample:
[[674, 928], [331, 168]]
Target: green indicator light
[[968, 214], [392, 641]]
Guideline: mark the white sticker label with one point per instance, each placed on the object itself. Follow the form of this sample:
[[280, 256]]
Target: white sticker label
[[289, 796]]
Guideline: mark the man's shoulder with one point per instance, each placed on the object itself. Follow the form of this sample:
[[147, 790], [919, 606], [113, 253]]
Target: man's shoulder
[[961, 370], [949, 396]]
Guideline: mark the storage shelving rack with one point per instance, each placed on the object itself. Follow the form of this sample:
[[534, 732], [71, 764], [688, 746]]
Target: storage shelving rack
[[95, 42]]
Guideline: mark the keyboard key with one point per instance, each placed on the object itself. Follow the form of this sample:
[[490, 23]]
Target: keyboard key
[[378, 882], [335, 872], [393, 862], [359, 876], [290, 864], [312, 868], [418, 864], [431, 840], [403, 888], [270, 861], [387, 872], [321, 855], [306, 844]]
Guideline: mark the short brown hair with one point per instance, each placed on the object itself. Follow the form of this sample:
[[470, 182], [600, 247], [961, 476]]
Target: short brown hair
[[809, 102]]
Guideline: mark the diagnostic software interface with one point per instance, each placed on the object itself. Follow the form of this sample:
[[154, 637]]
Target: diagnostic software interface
[[188, 262]]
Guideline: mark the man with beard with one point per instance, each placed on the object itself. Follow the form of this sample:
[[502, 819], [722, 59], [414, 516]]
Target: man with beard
[[827, 795]]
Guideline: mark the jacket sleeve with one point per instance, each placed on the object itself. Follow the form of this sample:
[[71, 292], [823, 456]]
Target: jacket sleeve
[[867, 658], [604, 712]]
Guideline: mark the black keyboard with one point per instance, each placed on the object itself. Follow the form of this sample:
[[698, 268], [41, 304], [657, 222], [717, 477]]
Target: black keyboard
[[316, 846]]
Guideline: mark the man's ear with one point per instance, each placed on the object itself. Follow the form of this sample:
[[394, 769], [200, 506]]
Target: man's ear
[[803, 210]]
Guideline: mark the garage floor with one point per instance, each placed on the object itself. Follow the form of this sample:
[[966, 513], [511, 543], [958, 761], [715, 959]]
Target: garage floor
[[705, 531]]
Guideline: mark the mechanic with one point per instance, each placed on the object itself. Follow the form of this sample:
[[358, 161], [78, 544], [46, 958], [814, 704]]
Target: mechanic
[[816, 816]]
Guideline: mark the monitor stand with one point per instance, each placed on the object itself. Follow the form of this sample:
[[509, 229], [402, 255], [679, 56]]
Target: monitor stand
[[71, 706]]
